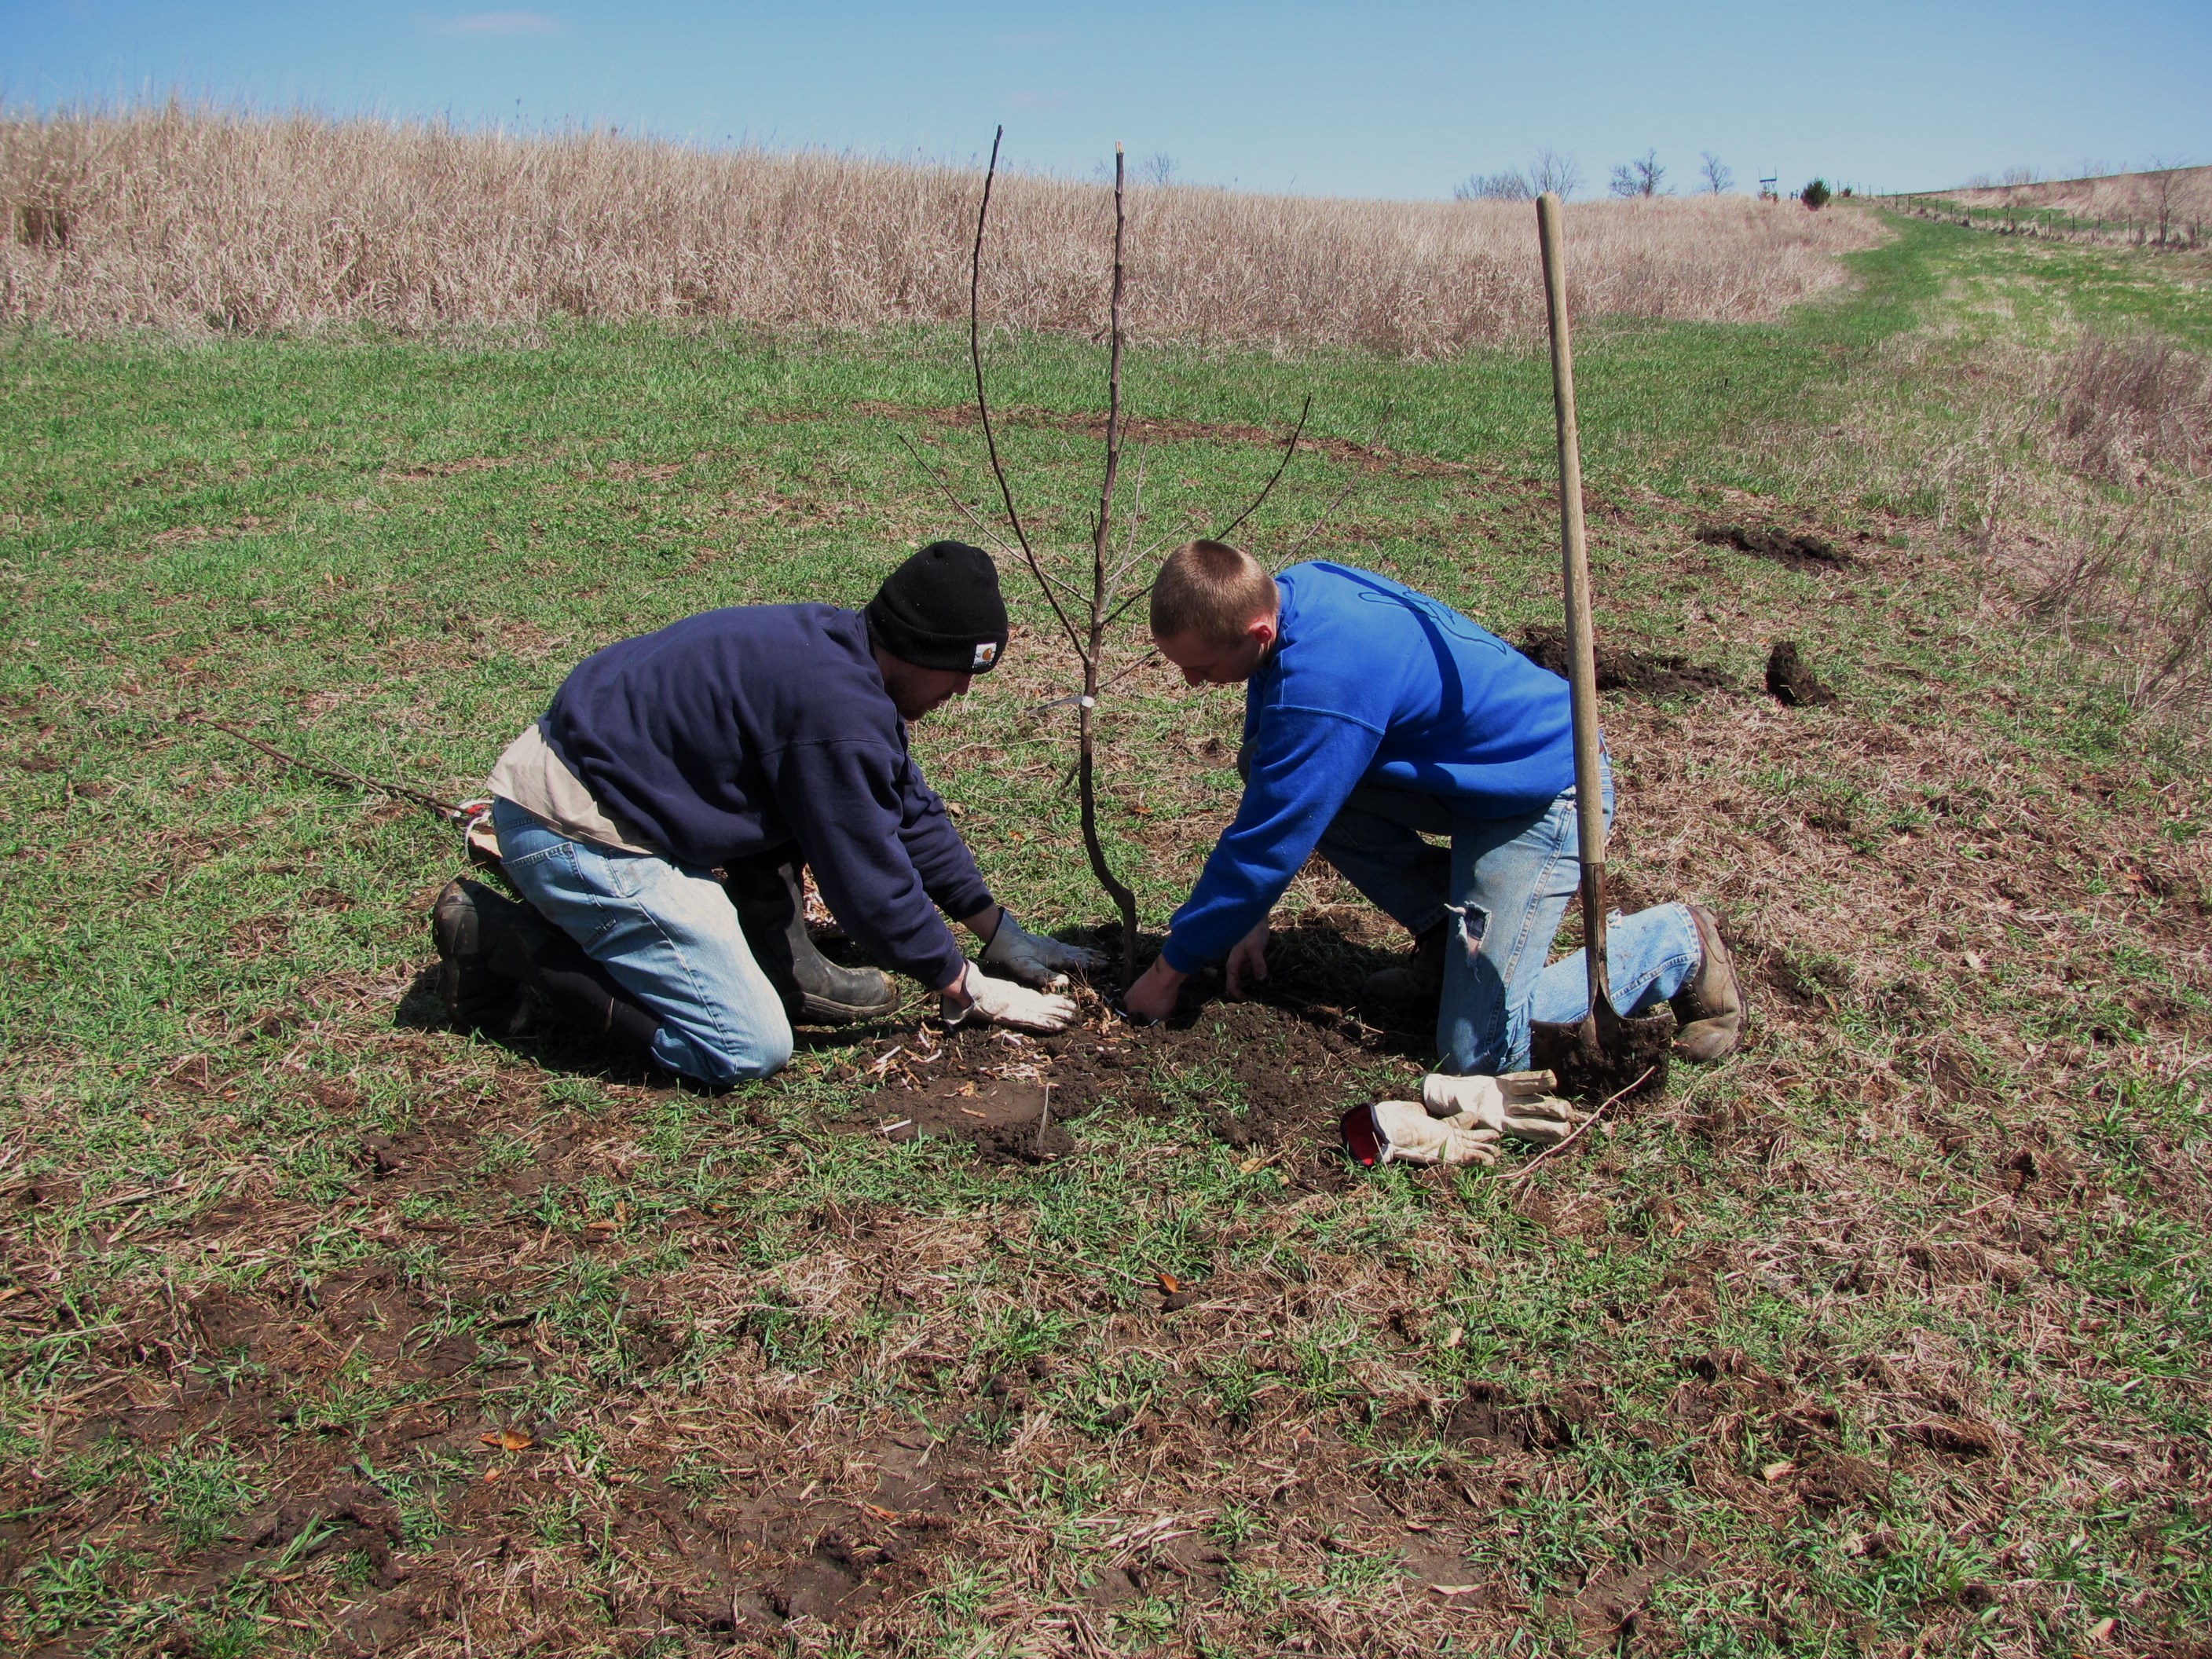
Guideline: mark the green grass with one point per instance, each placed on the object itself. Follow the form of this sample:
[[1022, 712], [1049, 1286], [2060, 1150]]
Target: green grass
[[214, 961]]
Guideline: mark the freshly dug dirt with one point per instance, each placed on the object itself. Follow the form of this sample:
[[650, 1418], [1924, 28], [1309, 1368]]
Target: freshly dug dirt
[[1291, 1052], [1643, 1054], [1641, 675], [1792, 679], [1004, 1118], [1798, 549]]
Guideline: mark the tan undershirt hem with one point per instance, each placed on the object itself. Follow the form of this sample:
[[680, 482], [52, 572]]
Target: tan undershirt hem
[[535, 778]]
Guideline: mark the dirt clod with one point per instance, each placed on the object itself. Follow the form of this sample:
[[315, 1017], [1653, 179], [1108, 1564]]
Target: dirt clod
[[1795, 548], [1634, 672], [1791, 678]]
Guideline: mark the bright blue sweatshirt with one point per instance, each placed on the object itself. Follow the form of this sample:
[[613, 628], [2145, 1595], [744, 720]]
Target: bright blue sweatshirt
[[1369, 683]]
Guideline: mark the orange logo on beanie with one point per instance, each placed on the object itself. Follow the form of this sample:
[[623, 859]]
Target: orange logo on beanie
[[986, 655]]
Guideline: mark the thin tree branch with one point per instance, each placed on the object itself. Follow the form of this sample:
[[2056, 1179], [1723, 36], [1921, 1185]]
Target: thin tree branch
[[1101, 531], [1122, 569], [1579, 1130], [984, 404], [929, 473], [1136, 513], [1066, 586], [1289, 450], [1328, 513], [1126, 601], [1127, 669]]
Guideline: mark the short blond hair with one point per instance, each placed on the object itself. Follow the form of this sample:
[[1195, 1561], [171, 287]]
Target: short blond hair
[[1213, 590]]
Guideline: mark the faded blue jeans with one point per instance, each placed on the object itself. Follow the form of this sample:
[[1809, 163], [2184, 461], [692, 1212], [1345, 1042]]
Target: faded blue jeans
[[1506, 886], [668, 934]]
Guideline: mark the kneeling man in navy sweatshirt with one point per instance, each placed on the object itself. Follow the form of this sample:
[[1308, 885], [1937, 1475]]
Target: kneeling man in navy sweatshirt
[[656, 819], [1375, 715]]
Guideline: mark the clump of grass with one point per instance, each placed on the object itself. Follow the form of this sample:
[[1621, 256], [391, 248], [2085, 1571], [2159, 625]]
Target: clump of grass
[[2134, 584], [2124, 404], [198, 1489], [207, 221]]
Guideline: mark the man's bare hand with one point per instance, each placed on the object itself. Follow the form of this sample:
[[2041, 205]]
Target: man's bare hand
[[1247, 958], [1153, 998]]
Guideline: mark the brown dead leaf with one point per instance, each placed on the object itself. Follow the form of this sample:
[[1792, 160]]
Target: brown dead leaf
[[1169, 1284], [508, 1440]]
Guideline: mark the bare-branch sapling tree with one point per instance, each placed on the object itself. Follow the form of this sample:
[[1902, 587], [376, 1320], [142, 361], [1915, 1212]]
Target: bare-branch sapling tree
[[1088, 594]]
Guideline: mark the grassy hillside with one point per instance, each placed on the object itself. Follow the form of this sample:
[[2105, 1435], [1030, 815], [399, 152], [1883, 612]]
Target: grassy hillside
[[329, 1330]]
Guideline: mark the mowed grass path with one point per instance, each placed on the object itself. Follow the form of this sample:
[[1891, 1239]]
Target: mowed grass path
[[1890, 1335]]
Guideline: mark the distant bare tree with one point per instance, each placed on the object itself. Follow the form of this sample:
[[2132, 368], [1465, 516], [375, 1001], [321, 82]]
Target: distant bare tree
[[1556, 172], [2163, 174], [1641, 177], [1508, 186], [1549, 171], [1158, 168], [1717, 175]]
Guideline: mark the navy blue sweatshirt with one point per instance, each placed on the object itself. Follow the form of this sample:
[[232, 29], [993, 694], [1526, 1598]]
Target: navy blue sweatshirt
[[744, 731]]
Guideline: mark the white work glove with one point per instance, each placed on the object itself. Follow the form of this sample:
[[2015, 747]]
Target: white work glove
[[1004, 1003], [1044, 964], [1401, 1131], [1459, 1119], [1520, 1104]]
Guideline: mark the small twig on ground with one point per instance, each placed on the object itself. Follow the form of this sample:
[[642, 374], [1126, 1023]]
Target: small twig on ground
[[1580, 1130], [1044, 1119]]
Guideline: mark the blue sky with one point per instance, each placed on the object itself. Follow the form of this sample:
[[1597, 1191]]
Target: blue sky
[[1391, 100]]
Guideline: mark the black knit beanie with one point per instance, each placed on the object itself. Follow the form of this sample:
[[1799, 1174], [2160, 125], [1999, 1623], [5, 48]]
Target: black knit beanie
[[941, 608]]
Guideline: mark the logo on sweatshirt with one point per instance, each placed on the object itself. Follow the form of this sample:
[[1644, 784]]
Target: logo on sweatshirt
[[986, 655]]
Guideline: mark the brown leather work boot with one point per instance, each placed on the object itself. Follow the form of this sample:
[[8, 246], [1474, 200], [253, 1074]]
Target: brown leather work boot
[[1708, 1010], [1420, 980], [467, 921]]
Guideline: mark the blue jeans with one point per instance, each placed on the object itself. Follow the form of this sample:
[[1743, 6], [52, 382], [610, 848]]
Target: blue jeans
[[1504, 886], [667, 933]]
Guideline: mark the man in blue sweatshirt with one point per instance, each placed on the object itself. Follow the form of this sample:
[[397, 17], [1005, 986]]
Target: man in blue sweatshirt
[[1374, 716], [657, 816]]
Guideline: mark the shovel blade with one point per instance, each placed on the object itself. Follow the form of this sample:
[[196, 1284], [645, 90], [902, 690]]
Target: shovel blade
[[1606, 1054]]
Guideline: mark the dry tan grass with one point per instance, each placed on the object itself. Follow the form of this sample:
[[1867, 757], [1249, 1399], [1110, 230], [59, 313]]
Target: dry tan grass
[[2184, 193], [185, 219]]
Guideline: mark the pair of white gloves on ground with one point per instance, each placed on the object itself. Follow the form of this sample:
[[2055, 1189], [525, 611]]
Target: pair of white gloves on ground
[[1461, 1120], [1030, 960]]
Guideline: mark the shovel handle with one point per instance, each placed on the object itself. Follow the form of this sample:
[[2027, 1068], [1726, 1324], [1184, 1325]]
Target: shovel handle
[[1574, 558]]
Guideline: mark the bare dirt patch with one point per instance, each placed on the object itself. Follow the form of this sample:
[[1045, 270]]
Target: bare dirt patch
[[1092, 424], [1801, 550], [1655, 675]]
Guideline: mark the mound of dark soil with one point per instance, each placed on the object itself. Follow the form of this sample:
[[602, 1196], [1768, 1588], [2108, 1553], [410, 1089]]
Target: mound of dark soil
[[1627, 671], [1797, 548], [1792, 679], [1637, 1066]]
